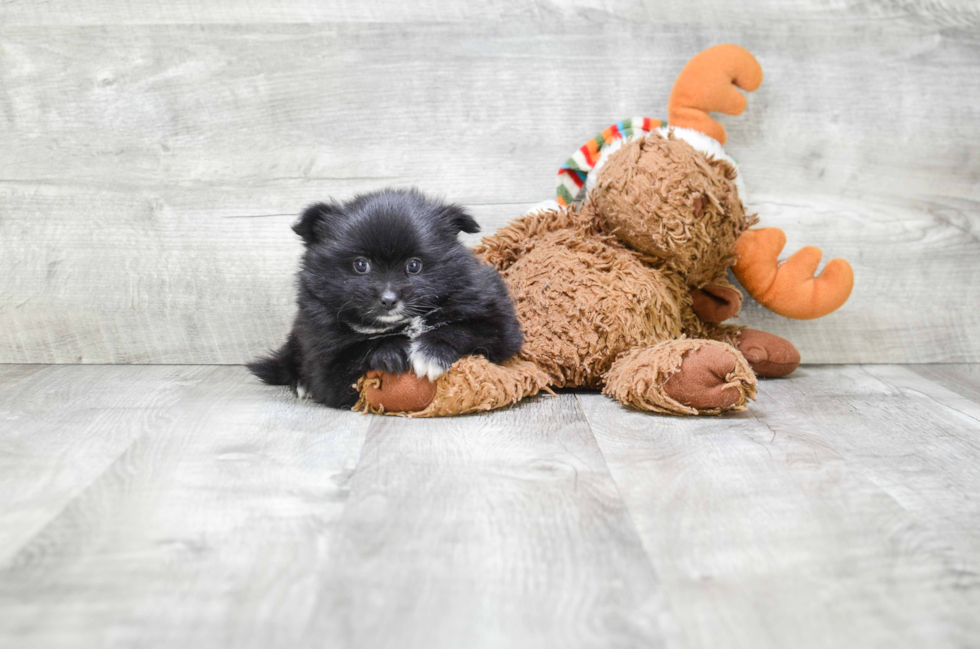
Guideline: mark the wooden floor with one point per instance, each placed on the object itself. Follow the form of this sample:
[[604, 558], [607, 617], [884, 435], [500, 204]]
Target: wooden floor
[[188, 506]]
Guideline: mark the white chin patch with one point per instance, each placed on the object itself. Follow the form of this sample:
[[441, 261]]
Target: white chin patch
[[391, 318], [370, 331], [424, 366]]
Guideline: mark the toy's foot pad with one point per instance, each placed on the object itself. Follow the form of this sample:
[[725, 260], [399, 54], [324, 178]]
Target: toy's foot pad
[[397, 392], [682, 377], [769, 355], [701, 382]]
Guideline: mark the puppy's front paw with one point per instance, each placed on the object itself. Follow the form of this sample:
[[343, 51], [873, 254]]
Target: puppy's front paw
[[392, 359], [431, 360]]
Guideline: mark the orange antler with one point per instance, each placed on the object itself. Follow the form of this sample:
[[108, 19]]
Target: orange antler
[[707, 83], [790, 289]]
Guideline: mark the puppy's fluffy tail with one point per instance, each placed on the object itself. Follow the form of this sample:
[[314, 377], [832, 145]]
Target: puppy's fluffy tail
[[281, 367]]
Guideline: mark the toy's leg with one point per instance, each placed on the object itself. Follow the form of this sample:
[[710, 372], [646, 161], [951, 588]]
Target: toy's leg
[[769, 355], [682, 377], [472, 384]]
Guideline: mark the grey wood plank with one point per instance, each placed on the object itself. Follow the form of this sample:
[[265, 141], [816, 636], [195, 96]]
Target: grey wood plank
[[63, 426], [205, 532], [824, 516], [209, 281], [840, 510], [962, 378], [116, 12], [125, 143], [915, 439], [302, 102], [502, 530], [948, 13]]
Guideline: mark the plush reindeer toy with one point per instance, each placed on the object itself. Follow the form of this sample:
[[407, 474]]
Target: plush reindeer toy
[[620, 285]]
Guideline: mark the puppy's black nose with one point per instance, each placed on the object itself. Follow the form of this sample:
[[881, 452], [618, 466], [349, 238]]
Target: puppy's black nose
[[389, 300]]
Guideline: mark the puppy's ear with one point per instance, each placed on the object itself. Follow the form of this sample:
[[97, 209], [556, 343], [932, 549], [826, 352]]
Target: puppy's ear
[[315, 222], [459, 219]]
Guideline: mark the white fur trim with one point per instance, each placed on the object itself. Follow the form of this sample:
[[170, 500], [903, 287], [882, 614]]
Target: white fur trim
[[699, 141], [549, 205]]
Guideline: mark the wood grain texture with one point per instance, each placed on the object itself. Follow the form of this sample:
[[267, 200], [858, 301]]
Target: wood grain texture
[[839, 510], [503, 530], [248, 518], [961, 378], [204, 532], [62, 429], [191, 506], [947, 13], [133, 130]]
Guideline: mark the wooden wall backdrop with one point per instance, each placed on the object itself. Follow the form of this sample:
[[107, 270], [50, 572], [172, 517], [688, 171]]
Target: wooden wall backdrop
[[153, 154]]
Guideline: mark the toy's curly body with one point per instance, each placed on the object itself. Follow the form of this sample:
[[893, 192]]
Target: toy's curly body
[[582, 297], [626, 291], [605, 297]]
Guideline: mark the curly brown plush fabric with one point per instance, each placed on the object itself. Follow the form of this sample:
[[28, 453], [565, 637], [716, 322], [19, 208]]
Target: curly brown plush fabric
[[640, 378], [472, 384], [663, 198], [582, 300]]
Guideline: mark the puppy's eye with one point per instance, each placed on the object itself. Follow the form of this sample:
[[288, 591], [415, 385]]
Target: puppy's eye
[[414, 266], [361, 265]]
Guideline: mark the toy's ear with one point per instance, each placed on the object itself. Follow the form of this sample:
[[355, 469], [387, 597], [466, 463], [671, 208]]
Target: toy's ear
[[315, 222], [460, 220]]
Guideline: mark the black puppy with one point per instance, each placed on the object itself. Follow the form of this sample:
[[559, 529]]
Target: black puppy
[[386, 285]]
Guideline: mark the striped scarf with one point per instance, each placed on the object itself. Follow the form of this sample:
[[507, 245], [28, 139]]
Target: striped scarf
[[572, 175]]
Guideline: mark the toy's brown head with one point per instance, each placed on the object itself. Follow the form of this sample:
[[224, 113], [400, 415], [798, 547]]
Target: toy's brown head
[[672, 203]]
